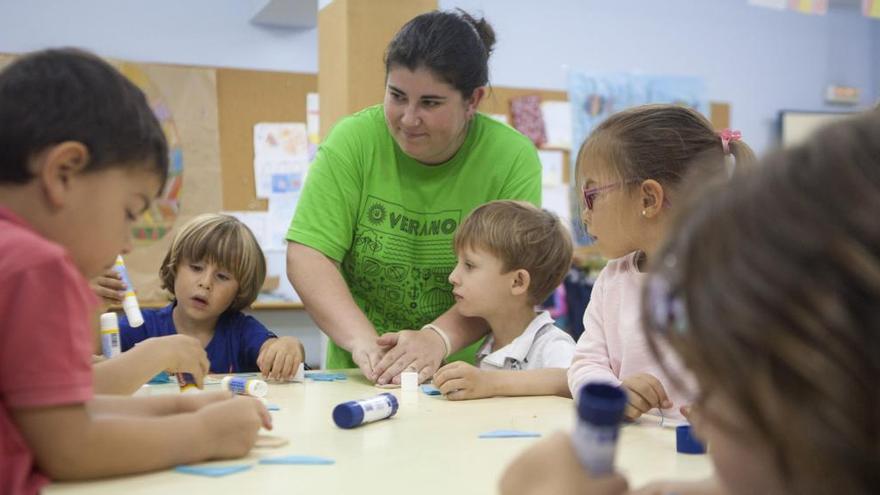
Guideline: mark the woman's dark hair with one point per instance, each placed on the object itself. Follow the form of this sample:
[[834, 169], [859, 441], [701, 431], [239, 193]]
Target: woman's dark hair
[[453, 45], [58, 95], [774, 282]]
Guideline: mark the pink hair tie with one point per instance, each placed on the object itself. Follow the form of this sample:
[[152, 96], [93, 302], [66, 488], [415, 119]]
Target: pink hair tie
[[728, 135]]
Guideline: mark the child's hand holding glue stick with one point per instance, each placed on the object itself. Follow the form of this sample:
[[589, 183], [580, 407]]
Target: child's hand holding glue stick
[[129, 302]]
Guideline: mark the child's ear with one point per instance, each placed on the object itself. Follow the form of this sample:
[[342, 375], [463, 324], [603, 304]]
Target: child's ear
[[57, 166], [652, 198], [521, 282]]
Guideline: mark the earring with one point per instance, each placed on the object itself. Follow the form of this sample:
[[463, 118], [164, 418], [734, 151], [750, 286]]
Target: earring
[[644, 213]]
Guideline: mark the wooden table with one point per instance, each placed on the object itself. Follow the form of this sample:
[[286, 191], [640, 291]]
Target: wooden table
[[430, 447]]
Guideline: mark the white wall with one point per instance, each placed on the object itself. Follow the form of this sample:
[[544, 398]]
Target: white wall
[[215, 33], [758, 60]]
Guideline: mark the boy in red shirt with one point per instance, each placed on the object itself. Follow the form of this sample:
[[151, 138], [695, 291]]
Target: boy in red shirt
[[81, 157]]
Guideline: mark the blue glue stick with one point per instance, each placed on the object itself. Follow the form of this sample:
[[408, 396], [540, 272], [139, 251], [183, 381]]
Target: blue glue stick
[[357, 412], [130, 302], [600, 411]]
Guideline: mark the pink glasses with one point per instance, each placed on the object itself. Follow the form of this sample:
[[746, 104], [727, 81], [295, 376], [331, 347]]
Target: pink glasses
[[592, 193]]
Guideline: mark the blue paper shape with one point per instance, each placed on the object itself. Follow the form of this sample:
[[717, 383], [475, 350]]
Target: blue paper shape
[[273, 407], [509, 434], [429, 389], [297, 459], [327, 377], [159, 379], [213, 471]]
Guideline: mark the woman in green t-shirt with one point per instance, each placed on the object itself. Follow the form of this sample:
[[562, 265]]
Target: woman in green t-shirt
[[370, 248]]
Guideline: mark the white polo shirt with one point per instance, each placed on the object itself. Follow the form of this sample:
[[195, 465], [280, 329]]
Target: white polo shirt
[[541, 345]]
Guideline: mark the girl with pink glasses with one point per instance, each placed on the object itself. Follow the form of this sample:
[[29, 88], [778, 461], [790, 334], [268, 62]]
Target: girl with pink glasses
[[631, 170]]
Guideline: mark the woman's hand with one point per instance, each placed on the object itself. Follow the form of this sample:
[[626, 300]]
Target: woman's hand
[[417, 350]]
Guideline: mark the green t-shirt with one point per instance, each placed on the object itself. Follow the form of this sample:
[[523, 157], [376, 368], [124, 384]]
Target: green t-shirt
[[389, 220]]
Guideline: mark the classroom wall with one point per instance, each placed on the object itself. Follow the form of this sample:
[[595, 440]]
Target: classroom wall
[[758, 60], [215, 33], [876, 59]]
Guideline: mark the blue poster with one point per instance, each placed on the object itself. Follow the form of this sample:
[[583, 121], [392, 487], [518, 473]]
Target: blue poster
[[594, 97]]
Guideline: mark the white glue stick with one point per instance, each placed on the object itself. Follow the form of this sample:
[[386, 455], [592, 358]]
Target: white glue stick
[[130, 303], [110, 335], [245, 386]]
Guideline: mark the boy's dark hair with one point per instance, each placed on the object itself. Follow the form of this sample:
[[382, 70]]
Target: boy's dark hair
[[453, 45], [772, 290], [522, 236], [58, 95]]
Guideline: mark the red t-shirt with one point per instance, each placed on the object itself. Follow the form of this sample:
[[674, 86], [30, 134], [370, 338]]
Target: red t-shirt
[[46, 338]]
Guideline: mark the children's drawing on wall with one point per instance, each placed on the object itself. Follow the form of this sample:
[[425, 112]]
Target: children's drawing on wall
[[594, 97], [281, 151], [159, 219]]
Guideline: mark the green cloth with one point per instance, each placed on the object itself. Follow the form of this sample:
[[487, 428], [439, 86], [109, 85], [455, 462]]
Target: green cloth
[[389, 220]]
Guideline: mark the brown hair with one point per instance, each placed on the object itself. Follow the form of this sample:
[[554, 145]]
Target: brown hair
[[224, 241], [522, 236], [660, 142], [777, 280]]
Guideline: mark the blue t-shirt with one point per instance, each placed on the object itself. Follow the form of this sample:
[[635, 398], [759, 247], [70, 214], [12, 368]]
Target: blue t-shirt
[[233, 349]]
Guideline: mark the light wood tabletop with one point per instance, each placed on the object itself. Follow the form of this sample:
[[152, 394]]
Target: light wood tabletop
[[430, 446]]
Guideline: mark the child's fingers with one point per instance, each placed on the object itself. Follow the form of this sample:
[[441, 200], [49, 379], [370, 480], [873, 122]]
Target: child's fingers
[[631, 413], [265, 360], [452, 385], [445, 374], [460, 394], [651, 390], [660, 397], [205, 363], [290, 365], [639, 402], [278, 365], [114, 283], [265, 417]]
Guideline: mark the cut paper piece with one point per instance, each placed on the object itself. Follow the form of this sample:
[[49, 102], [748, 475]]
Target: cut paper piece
[[297, 459], [273, 407], [327, 377], [509, 434], [429, 389], [388, 385], [270, 442], [159, 379], [213, 471]]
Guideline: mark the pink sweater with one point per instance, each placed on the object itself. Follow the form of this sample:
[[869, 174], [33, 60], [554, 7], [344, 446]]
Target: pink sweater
[[613, 345]]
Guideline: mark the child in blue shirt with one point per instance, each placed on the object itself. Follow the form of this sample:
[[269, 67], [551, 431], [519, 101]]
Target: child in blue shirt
[[214, 269]]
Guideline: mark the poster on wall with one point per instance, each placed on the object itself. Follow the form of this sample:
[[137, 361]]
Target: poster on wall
[[594, 97]]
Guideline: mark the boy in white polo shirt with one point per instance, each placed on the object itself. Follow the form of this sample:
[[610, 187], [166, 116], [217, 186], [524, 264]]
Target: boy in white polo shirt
[[511, 256]]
